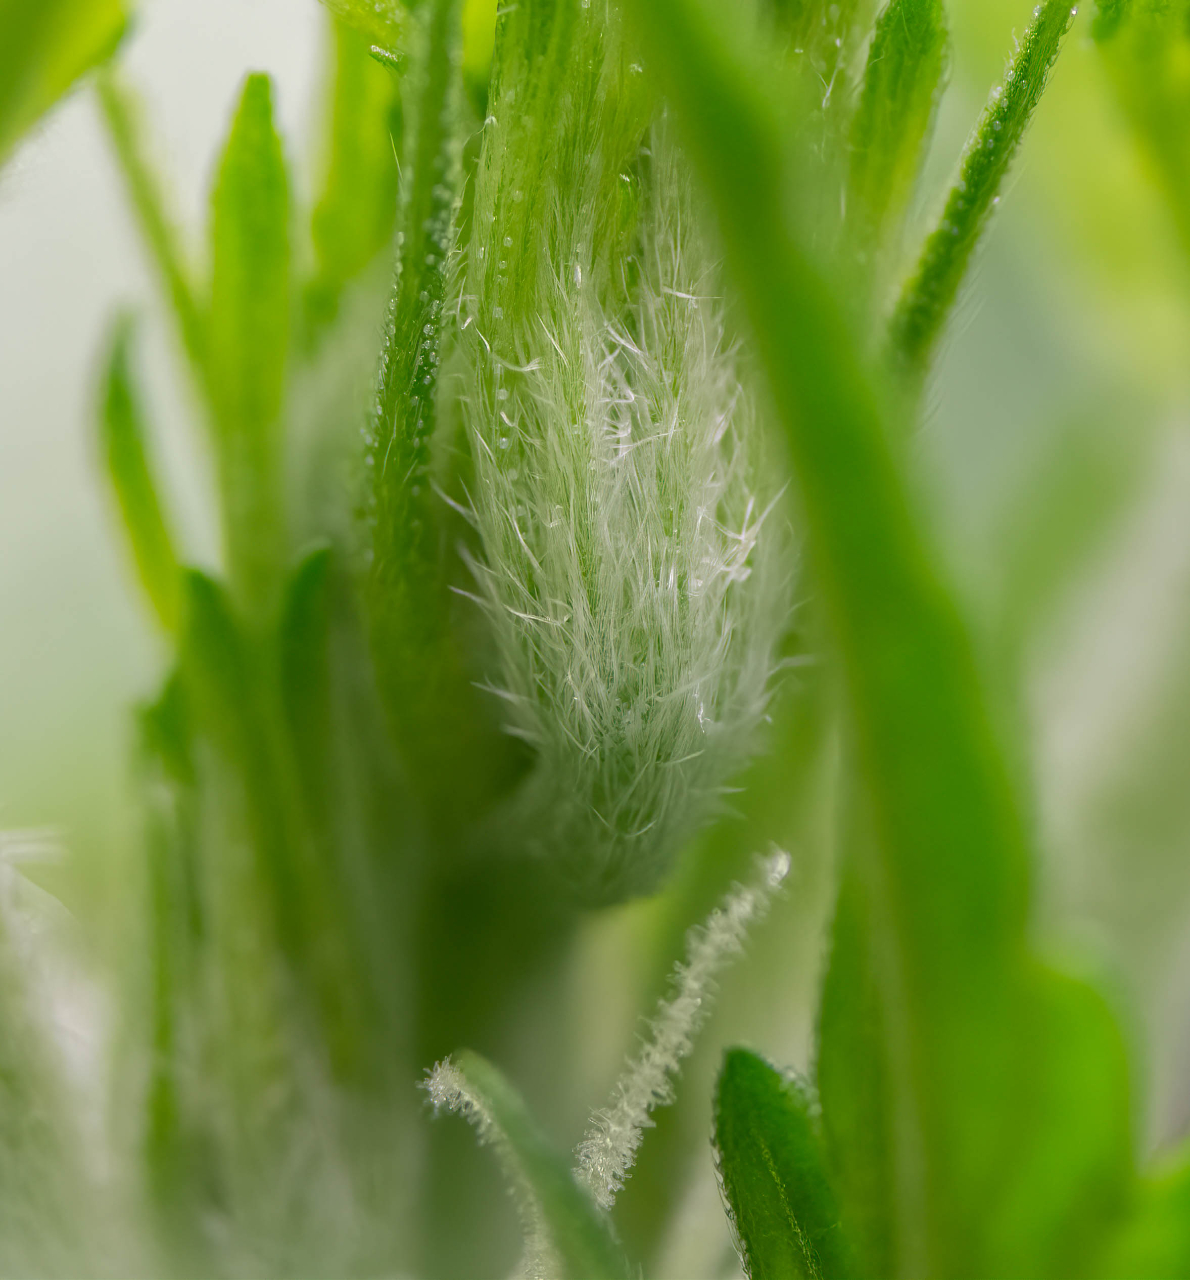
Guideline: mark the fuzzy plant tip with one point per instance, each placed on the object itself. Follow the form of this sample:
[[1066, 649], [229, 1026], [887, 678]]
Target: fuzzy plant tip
[[608, 1151]]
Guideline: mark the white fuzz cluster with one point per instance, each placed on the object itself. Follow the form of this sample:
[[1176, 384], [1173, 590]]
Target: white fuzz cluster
[[450, 1090], [608, 1151], [635, 604]]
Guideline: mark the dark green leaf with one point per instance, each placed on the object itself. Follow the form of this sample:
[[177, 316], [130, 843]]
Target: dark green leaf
[[770, 1162], [249, 338], [122, 433], [45, 46], [929, 295]]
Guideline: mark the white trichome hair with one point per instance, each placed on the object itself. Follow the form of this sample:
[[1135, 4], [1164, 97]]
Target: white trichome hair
[[608, 1151], [634, 580], [450, 1090]]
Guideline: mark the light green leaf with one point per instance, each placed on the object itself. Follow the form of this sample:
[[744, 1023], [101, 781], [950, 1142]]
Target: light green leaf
[[770, 1163], [1154, 1242], [249, 338], [353, 219], [1146, 47], [563, 1227], [929, 295], [121, 113], [892, 125], [45, 46], [383, 22], [122, 435]]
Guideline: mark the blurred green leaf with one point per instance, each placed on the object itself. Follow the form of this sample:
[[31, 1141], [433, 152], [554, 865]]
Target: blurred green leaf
[[383, 22], [1146, 46], [853, 1083], [770, 1162], [122, 434], [249, 338], [929, 295], [45, 46], [577, 1231], [1155, 1241], [121, 113], [891, 130], [354, 217]]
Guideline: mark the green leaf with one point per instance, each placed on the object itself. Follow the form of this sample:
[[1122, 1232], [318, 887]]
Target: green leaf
[[929, 295], [45, 46], [354, 217], [770, 1163], [121, 113], [891, 129], [122, 435], [853, 1082], [383, 22], [1155, 1240], [550, 1198], [1146, 47], [249, 338]]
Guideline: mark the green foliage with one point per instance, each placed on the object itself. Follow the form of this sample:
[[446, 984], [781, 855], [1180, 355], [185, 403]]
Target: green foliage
[[893, 121], [249, 336], [1146, 45], [558, 1213], [45, 46], [770, 1160], [123, 443], [506, 672], [929, 295]]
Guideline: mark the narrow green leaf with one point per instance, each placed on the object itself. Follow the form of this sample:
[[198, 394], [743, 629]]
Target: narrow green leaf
[[853, 1081], [122, 434], [45, 46], [353, 219], [929, 295], [249, 338], [770, 1162], [403, 423], [559, 1217], [121, 113], [892, 125]]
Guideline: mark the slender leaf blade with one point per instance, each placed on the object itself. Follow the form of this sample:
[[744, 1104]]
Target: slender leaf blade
[[578, 1233], [354, 217], [890, 131], [770, 1163], [929, 295], [121, 113], [123, 443], [249, 337]]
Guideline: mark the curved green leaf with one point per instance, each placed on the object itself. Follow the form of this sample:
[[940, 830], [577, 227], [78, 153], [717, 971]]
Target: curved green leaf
[[45, 46], [551, 1202]]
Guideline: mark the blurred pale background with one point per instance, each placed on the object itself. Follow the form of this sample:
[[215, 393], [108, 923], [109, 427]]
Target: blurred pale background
[[1056, 457]]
